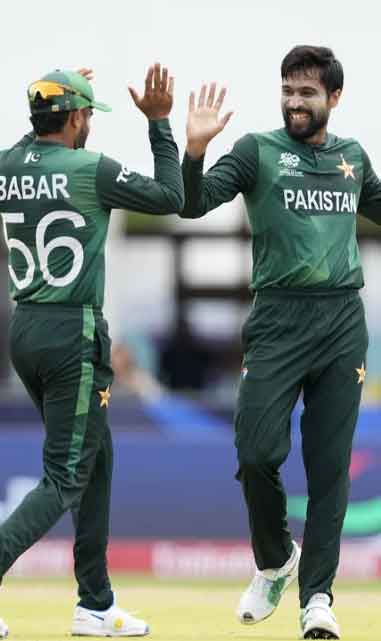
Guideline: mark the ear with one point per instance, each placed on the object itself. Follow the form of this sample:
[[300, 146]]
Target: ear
[[334, 98], [75, 119]]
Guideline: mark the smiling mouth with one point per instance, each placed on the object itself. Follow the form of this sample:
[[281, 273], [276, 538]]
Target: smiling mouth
[[297, 116]]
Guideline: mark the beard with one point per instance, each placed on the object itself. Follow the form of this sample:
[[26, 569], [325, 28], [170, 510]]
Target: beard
[[304, 130], [80, 140]]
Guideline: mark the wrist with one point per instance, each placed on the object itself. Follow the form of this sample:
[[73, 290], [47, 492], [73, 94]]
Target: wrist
[[158, 118], [161, 119], [196, 150]]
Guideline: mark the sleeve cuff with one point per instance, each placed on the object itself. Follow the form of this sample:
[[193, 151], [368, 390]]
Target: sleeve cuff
[[193, 163], [159, 127]]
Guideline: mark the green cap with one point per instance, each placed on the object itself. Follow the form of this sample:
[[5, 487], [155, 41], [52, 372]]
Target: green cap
[[63, 91]]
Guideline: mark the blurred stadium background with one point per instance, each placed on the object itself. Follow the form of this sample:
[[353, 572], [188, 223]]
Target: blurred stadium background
[[177, 291]]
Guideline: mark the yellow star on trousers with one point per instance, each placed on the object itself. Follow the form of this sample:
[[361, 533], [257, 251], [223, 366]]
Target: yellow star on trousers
[[105, 396], [361, 372], [346, 169]]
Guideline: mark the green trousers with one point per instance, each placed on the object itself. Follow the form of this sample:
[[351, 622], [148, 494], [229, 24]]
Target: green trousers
[[62, 355], [314, 345]]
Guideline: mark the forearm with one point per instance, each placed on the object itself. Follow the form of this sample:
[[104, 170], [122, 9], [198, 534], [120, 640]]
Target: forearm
[[372, 212], [120, 188], [233, 173], [196, 200], [167, 170]]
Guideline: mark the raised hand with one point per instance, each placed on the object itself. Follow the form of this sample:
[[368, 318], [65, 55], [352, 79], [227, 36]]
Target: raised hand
[[204, 122], [86, 73], [158, 95]]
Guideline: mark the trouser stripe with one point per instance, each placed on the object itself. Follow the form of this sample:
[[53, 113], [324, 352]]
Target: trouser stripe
[[84, 395]]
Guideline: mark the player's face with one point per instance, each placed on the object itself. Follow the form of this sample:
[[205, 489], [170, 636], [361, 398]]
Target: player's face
[[80, 140], [306, 105]]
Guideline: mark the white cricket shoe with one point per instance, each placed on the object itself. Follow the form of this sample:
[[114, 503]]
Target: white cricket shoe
[[113, 622], [264, 592], [3, 629], [317, 620]]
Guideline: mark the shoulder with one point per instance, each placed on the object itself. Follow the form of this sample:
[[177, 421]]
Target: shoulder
[[273, 137], [245, 147], [272, 143], [336, 142], [12, 154], [341, 140], [82, 158], [80, 163], [348, 148]]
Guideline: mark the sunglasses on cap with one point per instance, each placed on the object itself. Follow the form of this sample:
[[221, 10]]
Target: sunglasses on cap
[[48, 89]]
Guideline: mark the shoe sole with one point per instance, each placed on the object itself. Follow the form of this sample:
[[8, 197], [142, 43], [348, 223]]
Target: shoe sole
[[86, 631], [320, 633]]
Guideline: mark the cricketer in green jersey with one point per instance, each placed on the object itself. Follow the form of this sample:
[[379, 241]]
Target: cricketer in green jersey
[[306, 332], [55, 201]]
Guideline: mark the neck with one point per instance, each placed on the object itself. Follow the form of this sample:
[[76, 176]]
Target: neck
[[60, 137]]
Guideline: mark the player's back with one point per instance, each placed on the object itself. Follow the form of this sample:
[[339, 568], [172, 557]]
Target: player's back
[[54, 224]]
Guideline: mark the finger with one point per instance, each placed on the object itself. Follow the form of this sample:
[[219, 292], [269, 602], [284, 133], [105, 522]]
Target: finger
[[212, 93], [192, 101], [171, 85], [201, 99], [225, 119], [86, 73], [164, 80], [220, 98], [156, 77], [134, 95], [148, 81]]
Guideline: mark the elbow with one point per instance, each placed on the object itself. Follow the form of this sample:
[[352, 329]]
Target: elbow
[[178, 202], [170, 199], [174, 203]]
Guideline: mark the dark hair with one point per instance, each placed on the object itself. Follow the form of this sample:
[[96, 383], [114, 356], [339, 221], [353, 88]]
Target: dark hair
[[47, 122], [305, 58]]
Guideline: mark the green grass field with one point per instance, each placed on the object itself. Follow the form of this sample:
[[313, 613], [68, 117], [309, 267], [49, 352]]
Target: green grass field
[[41, 610]]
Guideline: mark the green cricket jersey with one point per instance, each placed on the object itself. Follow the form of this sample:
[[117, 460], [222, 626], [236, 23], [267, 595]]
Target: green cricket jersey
[[302, 202], [55, 204]]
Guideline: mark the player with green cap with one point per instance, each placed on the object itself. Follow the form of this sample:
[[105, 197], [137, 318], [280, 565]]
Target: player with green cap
[[55, 201], [68, 90]]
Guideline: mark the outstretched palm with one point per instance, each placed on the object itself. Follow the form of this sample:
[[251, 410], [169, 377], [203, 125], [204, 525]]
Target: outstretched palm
[[204, 122], [158, 95]]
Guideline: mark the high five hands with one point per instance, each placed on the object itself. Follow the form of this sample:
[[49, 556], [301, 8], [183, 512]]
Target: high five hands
[[156, 103], [204, 121]]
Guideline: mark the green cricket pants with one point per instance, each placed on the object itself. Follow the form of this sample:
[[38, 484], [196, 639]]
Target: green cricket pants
[[62, 355], [314, 344]]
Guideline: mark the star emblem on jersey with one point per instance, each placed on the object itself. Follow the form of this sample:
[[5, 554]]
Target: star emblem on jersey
[[361, 373], [105, 396], [346, 168]]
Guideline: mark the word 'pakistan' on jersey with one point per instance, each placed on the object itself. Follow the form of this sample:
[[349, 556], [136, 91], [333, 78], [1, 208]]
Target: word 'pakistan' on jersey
[[301, 201]]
